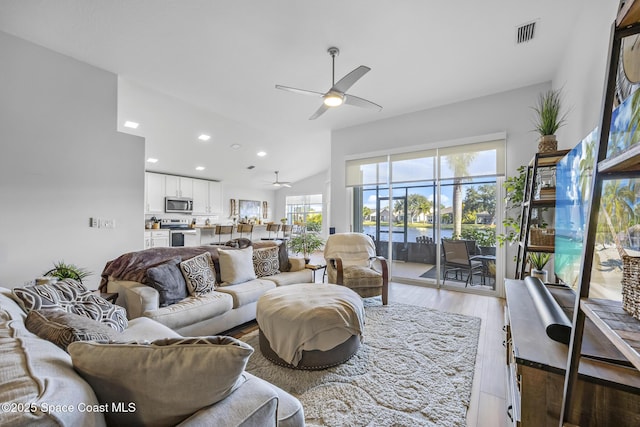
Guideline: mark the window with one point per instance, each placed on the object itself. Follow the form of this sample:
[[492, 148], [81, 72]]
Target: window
[[305, 209]]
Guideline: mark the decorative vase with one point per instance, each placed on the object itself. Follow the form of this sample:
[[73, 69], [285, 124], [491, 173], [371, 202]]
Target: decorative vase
[[547, 144], [540, 274]]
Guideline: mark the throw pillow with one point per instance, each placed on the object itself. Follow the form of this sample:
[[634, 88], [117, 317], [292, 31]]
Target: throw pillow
[[56, 295], [97, 308], [167, 380], [71, 296], [199, 274], [62, 328], [266, 261], [168, 280], [236, 266]]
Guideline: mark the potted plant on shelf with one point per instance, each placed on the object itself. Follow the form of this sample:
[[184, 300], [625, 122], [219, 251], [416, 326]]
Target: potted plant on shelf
[[538, 260], [548, 119], [305, 243], [62, 270]]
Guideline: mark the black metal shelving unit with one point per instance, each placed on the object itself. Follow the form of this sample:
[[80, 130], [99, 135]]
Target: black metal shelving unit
[[530, 203], [621, 329]]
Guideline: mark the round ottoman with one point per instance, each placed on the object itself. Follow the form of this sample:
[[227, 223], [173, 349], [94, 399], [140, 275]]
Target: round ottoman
[[310, 326]]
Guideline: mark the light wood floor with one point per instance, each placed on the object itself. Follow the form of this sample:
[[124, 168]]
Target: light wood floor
[[487, 406]]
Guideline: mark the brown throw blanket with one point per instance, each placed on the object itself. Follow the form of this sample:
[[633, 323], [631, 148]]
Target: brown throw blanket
[[133, 265]]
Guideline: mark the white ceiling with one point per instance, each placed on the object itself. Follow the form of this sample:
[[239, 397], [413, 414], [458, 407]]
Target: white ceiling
[[193, 66]]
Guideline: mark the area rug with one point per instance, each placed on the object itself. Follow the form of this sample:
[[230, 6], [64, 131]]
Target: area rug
[[414, 368]]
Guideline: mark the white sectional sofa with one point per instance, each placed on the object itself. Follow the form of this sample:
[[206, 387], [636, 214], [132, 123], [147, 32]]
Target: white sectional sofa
[[226, 307]]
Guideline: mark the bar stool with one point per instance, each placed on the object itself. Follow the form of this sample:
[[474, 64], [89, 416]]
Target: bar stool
[[286, 230], [224, 229], [245, 228], [272, 227]]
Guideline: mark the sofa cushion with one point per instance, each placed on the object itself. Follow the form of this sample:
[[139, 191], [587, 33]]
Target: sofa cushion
[[36, 371], [72, 297], [247, 292], [62, 328], [301, 276], [192, 310], [199, 274], [169, 281], [167, 380], [266, 261], [236, 266]]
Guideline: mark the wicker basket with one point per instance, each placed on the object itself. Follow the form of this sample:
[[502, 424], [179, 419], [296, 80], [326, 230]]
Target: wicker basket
[[542, 236], [547, 144], [631, 285]]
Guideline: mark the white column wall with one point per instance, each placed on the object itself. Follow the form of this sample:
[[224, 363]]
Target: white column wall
[[61, 162]]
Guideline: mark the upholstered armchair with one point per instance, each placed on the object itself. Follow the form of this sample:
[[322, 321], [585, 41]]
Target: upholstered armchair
[[352, 262]]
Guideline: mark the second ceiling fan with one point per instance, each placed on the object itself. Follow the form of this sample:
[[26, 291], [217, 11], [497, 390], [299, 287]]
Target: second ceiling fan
[[337, 95]]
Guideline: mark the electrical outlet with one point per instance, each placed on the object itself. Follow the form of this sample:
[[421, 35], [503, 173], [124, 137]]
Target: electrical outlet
[[94, 222], [108, 223]]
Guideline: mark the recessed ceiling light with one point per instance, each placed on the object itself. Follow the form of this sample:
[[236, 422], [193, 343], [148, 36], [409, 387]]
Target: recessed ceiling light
[[152, 160], [132, 125], [200, 168], [204, 137], [261, 153], [235, 146]]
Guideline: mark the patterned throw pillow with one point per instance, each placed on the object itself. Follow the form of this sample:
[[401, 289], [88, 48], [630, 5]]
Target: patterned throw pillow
[[71, 296], [97, 308], [168, 379], [199, 274], [266, 261], [57, 295], [62, 328]]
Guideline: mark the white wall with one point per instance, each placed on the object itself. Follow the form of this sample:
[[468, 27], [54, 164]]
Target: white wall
[[244, 193], [582, 73], [504, 112], [62, 162]]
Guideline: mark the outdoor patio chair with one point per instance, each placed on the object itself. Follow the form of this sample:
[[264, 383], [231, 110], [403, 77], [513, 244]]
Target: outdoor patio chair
[[352, 262], [457, 260]]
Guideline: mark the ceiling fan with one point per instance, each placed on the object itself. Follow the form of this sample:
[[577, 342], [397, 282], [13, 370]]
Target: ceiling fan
[[278, 183], [337, 95]]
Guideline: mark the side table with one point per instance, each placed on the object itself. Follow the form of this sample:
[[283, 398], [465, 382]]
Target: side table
[[315, 268]]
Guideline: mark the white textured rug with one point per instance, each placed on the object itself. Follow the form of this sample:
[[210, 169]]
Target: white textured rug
[[415, 368]]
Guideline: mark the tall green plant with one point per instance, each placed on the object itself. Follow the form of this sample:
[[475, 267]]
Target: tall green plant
[[548, 112], [514, 187]]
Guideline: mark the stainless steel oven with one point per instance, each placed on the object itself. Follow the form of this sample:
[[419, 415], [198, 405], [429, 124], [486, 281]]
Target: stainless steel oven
[[183, 238]]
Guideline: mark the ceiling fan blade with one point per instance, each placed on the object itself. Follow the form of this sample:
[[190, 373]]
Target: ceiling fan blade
[[319, 112], [300, 91], [286, 184], [347, 81], [359, 102]]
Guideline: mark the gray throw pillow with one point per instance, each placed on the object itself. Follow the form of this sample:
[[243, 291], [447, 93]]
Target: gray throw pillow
[[168, 280], [62, 328], [168, 379]]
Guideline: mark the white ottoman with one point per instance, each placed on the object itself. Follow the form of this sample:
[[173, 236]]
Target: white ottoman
[[310, 326]]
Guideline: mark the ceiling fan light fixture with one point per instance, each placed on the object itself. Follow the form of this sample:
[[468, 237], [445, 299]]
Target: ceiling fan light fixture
[[333, 99]]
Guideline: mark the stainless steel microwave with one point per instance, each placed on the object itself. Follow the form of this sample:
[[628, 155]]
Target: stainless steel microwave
[[178, 205]]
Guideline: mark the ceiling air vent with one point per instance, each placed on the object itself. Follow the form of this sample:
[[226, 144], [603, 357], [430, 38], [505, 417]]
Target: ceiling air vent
[[525, 32]]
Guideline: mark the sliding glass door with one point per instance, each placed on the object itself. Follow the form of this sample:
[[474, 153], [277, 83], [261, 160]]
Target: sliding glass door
[[415, 200]]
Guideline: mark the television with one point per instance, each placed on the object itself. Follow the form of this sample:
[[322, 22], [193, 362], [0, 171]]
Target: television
[[574, 174]]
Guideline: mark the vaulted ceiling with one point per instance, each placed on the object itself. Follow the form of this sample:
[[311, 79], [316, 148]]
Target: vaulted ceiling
[[202, 66]]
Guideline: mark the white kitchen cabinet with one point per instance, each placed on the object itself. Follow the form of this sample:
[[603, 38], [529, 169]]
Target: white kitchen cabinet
[[154, 191], [178, 186], [207, 197], [147, 239], [159, 238]]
